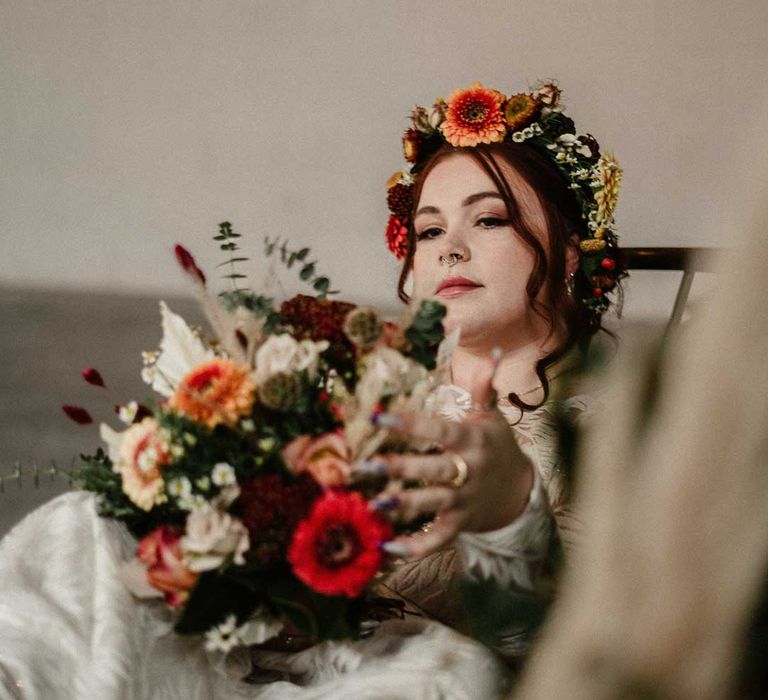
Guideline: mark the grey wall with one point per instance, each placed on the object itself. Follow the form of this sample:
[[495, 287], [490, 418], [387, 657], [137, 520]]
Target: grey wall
[[130, 125]]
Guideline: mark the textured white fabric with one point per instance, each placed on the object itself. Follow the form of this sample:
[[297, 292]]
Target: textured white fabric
[[70, 630]]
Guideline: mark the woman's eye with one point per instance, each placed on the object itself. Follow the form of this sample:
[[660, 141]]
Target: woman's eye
[[428, 233], [492, 222]]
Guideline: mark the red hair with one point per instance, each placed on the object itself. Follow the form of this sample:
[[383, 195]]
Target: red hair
[[565, 316]]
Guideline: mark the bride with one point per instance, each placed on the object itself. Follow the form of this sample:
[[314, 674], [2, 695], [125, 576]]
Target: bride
[[505, 216]]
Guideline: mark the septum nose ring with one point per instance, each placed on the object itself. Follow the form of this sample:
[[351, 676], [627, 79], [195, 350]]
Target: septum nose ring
[[451, 260]]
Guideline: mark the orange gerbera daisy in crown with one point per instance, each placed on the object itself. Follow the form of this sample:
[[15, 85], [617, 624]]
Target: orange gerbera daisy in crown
[[474, 115], [215, 392]]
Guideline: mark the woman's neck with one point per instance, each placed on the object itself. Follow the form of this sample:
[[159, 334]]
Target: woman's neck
[[516, 371]]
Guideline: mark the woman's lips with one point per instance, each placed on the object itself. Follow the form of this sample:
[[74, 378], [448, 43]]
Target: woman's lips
[[454, 286]]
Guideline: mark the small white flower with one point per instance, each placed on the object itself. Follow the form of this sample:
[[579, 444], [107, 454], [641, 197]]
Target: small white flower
[[147, 459], [180, 489], [148, 358], [560, 156], [528, 132], [127, 413], [223, 637], [550, 146], [148, 375], [203, 483], [248, 425], [537, 128], [267, 444], [223, 474], [567, 140], [518, 137], [177, 450], [190, 439]]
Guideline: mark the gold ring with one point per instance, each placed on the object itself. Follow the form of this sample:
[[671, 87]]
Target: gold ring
[[462, 470]]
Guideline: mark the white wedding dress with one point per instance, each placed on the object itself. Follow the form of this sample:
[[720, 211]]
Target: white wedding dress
[[70, 630]]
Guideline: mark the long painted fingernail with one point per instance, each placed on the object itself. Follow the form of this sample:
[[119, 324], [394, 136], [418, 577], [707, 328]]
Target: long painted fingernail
[[394, 548], [372, 467], [386, 420], [383, 505]]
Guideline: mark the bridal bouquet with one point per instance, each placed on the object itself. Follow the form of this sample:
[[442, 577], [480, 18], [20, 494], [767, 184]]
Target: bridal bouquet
[[240, 482]]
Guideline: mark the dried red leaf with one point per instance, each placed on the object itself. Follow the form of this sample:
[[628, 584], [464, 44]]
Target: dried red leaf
[[77, 414], [188, 264], [93, 376]]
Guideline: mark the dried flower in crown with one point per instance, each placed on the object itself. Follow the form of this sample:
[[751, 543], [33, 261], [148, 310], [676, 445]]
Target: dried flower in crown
[[479, 115]]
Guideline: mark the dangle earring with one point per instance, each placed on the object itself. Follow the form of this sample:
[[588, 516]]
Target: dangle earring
[[570, 284]]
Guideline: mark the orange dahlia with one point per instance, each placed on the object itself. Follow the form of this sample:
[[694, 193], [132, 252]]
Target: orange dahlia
[[519, 110], [473, 116], [214, 392]]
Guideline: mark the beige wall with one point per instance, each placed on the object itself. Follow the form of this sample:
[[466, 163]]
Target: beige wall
[[127, 126]]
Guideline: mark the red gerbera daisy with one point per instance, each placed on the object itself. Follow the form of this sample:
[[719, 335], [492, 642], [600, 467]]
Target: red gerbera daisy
[[336, 549], [473, 116], [397, 237]]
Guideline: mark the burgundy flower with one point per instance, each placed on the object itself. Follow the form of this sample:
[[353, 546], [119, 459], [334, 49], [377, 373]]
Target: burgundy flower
[[271, 507], [400, 200]]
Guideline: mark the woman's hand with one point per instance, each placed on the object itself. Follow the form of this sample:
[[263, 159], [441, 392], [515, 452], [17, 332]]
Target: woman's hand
[[490, 493]]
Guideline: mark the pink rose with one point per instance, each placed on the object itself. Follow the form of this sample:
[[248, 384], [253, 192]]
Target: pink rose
[[161, 551], [326, 458]]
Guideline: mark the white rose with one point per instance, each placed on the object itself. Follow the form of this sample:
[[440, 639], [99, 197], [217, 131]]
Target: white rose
[[211, 536], [275, 355], [282, 353]]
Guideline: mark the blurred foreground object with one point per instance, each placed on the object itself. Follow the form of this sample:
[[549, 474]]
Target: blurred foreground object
[[661, 598]]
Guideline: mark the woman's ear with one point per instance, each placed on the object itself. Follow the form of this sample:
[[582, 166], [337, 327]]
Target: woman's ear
[[572, 255]]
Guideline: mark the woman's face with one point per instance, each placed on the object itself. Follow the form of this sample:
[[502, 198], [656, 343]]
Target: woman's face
[[461, 211]]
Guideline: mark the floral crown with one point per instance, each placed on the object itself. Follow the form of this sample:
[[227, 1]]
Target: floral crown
[[480, 115]]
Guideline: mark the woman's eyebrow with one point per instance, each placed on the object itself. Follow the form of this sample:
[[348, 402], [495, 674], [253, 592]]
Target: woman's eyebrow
[[480, 195], [467, 202]]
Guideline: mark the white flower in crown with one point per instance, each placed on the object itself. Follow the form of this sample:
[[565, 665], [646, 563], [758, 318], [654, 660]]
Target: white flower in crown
[[283, 353], [211, 537]]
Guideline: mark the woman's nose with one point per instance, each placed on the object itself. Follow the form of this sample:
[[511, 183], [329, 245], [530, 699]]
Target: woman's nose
[[454, 242]]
